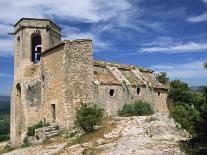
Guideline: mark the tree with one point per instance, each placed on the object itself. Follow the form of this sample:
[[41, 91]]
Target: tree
[[162, 78], [180, 92], [205, 65], [178, 84], [188, 117]]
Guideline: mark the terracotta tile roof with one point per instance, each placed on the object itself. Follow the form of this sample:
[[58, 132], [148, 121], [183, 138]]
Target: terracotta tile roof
[[120, 66], [130, 76], [154, 83], [104, 77]]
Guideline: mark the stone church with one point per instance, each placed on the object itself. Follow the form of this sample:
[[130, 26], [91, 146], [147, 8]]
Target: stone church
[[52, 77]]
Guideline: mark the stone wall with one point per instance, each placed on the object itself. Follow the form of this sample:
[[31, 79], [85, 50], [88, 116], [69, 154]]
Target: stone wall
[[111, 104], [26, 99], [79, 77], [160, 103], [52, 77]]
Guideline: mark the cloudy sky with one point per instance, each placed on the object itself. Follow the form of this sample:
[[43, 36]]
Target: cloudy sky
[[165, 35]]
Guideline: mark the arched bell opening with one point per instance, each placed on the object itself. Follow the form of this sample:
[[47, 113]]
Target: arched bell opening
[[36, 46]]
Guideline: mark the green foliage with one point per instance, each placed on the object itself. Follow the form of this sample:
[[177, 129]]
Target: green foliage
[[89, 151], [188, 117], [178, 84], [180, 92], [6, 149], [72, 134], [127, 110], [4, 127], [138, 108], [205, 65], [203, 90], [25, 143], [88, 116], [162, 78], [190, 111], [31, 130]]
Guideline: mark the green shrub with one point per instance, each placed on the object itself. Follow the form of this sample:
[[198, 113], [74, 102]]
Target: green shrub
[[88, 116], [187, 116], [127, 110], [4, 127], [4, 137], [31, 130], [138, 108], [25, 143]]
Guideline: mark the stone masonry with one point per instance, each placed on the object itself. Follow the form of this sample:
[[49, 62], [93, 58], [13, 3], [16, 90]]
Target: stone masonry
[[53, 77]]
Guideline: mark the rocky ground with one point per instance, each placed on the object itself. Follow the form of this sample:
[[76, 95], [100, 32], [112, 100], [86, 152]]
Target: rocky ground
[[144, 135]]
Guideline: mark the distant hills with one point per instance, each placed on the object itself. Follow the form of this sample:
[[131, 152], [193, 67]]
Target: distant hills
[[4, 98], [196, 88], [5, 104]]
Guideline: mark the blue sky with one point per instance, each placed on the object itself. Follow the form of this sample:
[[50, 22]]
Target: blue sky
[[164, 35]]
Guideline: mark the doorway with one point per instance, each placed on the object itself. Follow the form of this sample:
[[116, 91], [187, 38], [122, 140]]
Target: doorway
[[53, 112]]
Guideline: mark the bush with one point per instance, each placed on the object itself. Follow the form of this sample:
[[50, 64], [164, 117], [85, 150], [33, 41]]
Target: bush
[[31, 130], [88, 116], [25, 143], [138, 108], [187, 116], [4, 127]]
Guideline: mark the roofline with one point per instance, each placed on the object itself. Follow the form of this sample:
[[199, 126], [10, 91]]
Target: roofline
[[54, 47], [37, 19], [120, 66], [62, 43]]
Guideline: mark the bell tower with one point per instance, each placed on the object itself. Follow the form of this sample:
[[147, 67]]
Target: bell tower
[[31, 37]]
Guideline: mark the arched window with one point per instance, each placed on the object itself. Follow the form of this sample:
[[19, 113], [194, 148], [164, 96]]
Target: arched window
[[138, 90], [36, 47], [158, 93], [111, 92]]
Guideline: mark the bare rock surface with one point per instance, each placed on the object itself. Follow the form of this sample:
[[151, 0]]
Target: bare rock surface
[[144, 135]]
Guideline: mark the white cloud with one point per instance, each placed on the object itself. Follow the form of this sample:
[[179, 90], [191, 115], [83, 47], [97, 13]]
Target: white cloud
[[177, 48], [160, 41], [193, 69], [83, 11], [199, 18], [5, 75]]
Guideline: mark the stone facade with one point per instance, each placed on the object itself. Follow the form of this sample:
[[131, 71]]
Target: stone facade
[[49, 88]]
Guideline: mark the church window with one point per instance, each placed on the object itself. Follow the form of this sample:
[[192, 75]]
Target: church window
[[111, 92], [36, 47], [138, 90]]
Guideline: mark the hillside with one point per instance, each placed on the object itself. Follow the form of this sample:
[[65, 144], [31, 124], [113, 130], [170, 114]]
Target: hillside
[[4, 104], [144, 135], [4, 98]]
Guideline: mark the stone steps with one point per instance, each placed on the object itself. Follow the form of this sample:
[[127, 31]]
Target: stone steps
[[51, 130]]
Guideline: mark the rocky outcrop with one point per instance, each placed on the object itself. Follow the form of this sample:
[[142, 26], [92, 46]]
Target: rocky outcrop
[[144, 135]]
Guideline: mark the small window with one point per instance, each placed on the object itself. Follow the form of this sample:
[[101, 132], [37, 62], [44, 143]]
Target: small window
[[18, 38], [158, 93], [43, 77], [138, 90], [111, 92]]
